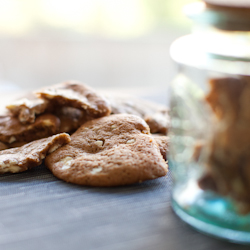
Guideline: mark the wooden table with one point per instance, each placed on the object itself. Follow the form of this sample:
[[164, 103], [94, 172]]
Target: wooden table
[[38, 211]]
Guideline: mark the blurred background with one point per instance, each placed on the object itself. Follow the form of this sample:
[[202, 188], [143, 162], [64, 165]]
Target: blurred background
[[104, 43]]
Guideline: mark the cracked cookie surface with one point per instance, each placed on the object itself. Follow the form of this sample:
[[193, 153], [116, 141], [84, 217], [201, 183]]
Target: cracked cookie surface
[[163, 143], [27, 108], [82, 101], [30, 155], [77, 95], [109, 151], [12, 130]]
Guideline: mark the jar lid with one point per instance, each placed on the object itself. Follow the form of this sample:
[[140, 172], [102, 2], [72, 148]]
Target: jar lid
[[232, 15], [228, 3]]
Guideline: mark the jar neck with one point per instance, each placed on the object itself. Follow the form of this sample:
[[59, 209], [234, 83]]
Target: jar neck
[[189, 50], [224, 43]]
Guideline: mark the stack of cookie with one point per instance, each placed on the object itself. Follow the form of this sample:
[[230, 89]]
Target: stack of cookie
[[83, 139], [227, 166]]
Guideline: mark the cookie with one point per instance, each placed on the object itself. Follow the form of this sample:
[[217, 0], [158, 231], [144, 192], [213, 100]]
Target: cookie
[[162, 142], [53, 98], [109, 151], [206, 182], [27, 108], [11, 130], [30, 155], [17, 144], [3, 146], [158, 122], [224, 97], [76, 95], [228, 160], [70, 119], [156, 115]]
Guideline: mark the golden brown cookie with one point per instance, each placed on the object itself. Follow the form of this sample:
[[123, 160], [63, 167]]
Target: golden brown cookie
[[163, 143], [156, 115], [228, 161], [30, 155], [109, 151], [224, 97], [3, 146], [158, 122], [70, 119], [53, 98], [28, 107], [12, 130], [17, 144], [77, 95]]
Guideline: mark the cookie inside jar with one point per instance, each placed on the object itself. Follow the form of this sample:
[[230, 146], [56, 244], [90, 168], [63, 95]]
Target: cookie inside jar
[[228, 159], [210, 120]]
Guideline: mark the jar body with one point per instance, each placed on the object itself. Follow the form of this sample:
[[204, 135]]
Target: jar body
[[210, 121], [198, 132]]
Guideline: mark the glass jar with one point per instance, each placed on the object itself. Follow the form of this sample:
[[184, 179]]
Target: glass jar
[[210, 124]]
